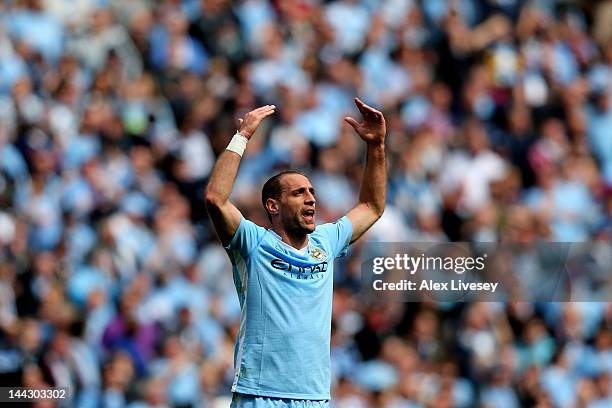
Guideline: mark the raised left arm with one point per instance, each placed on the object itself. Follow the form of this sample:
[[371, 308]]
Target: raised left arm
[[373, 190]]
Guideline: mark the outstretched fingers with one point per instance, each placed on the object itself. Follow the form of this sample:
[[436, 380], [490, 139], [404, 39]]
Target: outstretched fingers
[[264, 110], [260, 113], [372, 128], [366, 109], [361, 106], [249, 123], [268, 111]]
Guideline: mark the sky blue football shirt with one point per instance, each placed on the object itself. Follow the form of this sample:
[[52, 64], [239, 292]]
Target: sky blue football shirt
[[283, 345]]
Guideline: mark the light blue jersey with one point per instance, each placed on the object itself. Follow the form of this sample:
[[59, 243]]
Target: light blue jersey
[[283, 345]]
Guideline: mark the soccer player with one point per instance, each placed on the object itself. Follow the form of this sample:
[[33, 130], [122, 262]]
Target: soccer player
[[283, 275]]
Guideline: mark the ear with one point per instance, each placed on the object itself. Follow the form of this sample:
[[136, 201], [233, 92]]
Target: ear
[[272, 206]]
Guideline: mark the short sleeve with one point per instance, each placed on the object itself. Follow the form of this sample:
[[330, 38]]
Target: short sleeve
[[246, 238], [338, 234]]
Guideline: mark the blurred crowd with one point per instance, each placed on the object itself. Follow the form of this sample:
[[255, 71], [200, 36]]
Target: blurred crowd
[[112, 112]]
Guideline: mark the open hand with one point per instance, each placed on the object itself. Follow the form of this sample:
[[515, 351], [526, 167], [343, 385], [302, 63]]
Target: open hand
[[372, 129], [251, 121]]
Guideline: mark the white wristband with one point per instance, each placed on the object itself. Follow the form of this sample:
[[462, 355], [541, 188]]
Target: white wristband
[[237, 144]]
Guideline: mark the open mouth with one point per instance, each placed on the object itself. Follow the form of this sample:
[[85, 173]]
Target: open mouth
[[308, 215]]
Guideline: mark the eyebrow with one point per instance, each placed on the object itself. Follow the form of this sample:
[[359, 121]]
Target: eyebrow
[[302, 189]]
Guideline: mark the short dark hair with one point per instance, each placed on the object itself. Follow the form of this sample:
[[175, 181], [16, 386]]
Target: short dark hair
[[272, 188]]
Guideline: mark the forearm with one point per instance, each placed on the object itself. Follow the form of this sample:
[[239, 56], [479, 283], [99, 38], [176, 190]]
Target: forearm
[[222, 177], [224, 215], [373, 190]]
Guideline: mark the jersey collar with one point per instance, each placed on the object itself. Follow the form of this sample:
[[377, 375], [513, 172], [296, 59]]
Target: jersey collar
[[278, 237]]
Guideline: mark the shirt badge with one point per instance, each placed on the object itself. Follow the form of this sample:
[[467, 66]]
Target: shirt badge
[[318, 254]]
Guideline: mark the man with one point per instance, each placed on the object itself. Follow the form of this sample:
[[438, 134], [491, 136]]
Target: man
[[283, 275]]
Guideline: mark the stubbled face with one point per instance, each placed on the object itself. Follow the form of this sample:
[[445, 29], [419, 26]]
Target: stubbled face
[[296, 206]]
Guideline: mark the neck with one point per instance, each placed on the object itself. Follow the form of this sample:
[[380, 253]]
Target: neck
[[295, 240]]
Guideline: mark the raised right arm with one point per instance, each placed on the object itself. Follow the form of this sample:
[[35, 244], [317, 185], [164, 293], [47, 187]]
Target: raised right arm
[[224, 215]]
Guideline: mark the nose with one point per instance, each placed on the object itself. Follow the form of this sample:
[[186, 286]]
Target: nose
[[310, 198]]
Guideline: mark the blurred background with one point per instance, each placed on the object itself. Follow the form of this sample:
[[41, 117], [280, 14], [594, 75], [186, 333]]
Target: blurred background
[[112, 113]]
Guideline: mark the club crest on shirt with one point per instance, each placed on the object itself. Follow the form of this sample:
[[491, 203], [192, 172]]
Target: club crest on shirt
[[318, 254]]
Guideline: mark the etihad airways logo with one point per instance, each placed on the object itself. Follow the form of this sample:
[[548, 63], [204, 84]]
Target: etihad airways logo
[[300, 272]]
